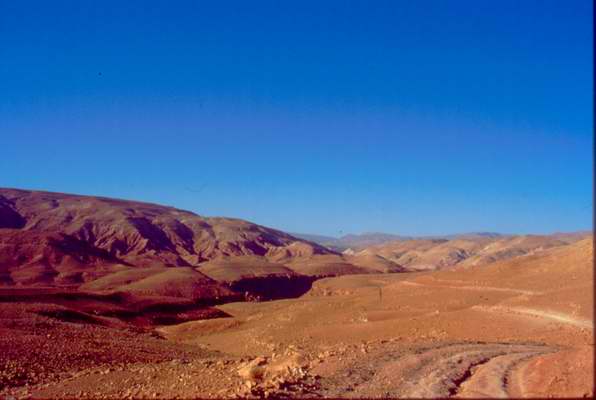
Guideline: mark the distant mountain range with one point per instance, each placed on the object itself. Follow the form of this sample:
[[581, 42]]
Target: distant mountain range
[[102, 244], [361, 241]]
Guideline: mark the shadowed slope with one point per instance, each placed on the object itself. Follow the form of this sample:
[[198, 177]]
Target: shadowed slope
[[61, 239]]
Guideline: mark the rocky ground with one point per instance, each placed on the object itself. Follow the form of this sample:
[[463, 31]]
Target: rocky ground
[[514, 329]]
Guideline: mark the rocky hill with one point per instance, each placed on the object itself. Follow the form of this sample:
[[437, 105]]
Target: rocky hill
[[465, 250], [55, 239], [98, 243]]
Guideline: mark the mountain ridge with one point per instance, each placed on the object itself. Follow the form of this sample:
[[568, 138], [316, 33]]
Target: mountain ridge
[[65, 239], [68, 240]]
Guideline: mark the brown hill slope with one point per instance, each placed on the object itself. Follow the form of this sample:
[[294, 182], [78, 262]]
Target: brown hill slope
[[62, 239], [431, 254], [512, 247]]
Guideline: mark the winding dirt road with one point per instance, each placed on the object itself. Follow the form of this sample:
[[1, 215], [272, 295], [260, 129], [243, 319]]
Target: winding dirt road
[[548, 315], [476, 288], [449, 370]]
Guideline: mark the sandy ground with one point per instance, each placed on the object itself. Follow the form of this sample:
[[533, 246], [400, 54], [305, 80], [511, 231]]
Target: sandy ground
[[426, 335]]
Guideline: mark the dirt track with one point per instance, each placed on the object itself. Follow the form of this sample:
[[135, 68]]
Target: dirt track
[[554, 316], [445, 370], [505, 331], [476, 288]]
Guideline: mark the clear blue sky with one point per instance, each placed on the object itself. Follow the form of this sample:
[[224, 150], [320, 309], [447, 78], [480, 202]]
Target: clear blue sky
[[412, 117]]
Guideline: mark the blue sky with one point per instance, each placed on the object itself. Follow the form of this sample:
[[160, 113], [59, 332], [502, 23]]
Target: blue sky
[[411, 117]]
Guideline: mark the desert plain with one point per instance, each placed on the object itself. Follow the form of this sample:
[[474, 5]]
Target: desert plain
[[105, 298]]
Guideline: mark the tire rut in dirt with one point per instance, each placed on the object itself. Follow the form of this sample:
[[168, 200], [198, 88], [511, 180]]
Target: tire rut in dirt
[[447, 370]]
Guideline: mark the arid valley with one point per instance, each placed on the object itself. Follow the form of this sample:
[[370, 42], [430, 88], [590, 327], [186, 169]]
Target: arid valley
[[106, 298]]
